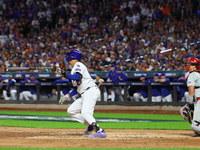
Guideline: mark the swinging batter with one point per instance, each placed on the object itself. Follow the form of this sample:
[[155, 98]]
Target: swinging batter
[[82, 109]]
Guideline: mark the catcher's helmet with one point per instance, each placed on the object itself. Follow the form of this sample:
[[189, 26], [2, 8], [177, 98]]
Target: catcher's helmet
[[195, 61], [74, 54]]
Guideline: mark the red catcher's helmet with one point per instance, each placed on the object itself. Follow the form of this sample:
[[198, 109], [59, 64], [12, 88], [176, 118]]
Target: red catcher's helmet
[[192, 61], [196, 62]]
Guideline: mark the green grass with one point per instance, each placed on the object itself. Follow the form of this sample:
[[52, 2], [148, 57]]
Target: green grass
[[101, 115], [114, 125], [34, 113], [111, 125], [177, 124]]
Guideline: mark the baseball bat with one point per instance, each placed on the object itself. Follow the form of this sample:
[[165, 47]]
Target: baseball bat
[[25, 68]]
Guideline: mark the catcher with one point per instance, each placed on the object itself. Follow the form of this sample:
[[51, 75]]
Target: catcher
[[190, 111]]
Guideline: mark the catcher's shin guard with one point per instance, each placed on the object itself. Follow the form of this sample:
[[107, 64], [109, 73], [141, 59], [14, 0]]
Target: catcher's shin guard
[[196, 118], [187, 112]]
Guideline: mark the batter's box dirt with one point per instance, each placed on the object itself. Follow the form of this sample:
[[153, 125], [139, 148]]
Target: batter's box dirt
[[116, 138]]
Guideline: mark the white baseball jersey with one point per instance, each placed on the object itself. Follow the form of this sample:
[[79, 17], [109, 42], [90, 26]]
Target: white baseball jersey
[[194, 80], [86, 80]]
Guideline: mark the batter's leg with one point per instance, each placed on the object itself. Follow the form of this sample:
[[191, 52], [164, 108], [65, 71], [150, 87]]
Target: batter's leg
[[89, 102], [74, 111]]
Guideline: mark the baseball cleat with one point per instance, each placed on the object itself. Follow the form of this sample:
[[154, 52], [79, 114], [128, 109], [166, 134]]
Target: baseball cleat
[[89, 130], [100, 134]]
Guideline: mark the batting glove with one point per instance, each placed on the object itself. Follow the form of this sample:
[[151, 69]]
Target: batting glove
[[64, 98], [61, 72]]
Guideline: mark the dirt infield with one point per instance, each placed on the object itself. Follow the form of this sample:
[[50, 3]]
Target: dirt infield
[[74, 138], [116, 138]]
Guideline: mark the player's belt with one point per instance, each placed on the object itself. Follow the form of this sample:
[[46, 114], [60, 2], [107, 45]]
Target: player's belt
[[198, 98], [88, 88], [197, 87]]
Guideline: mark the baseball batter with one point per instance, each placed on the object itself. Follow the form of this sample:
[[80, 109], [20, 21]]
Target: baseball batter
[[82, 109], [193, 84]]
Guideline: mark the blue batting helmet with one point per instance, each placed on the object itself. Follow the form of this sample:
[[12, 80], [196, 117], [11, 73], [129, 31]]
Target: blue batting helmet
[[74, 54]]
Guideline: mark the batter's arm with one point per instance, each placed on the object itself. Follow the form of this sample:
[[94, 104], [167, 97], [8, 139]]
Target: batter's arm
[[73, 92], [70, 94], [76, 76]]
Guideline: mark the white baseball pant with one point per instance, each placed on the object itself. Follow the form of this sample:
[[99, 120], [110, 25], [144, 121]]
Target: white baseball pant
[[82, 109]]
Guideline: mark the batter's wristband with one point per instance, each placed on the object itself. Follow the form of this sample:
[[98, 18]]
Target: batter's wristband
[[68, 95]]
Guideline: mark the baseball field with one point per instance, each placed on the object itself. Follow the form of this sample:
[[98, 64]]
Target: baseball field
[[38, 129]]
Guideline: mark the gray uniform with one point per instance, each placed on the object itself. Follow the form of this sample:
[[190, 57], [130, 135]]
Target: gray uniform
[[194, 80]]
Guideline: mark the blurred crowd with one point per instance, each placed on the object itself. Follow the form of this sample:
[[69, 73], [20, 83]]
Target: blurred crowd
[[135, 35]]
